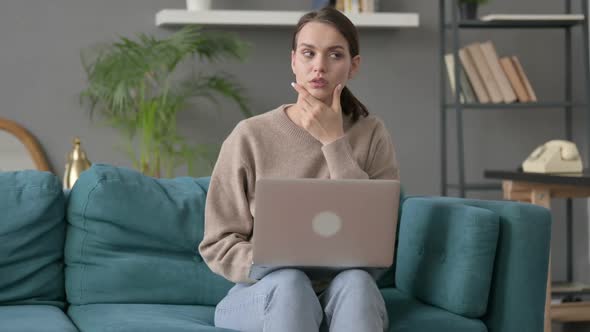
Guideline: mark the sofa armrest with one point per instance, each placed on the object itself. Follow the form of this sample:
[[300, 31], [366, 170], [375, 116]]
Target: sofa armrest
[[517, 294]]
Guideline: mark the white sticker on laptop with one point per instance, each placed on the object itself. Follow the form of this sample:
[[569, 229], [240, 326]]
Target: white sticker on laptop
[[326, 223]]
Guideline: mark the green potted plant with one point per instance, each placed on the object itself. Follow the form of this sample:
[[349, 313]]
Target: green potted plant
[[135, 87], [468, 8]]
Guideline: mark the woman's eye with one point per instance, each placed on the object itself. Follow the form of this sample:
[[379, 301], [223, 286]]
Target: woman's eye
[[310, 54]]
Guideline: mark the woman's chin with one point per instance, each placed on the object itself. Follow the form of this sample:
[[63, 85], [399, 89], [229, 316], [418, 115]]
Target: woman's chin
[[318, 94]]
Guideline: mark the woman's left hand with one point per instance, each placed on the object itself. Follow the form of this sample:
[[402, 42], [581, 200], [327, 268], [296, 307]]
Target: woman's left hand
[[323, 122]]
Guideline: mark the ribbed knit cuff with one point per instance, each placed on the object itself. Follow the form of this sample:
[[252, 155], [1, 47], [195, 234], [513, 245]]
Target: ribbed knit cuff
[[341, 162]]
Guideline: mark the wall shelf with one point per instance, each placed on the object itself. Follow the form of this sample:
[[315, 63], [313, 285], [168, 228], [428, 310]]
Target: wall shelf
[[266, 18], [515, 24], [529, 105]]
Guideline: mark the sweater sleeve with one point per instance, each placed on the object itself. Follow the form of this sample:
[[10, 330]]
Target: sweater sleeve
[[226, 246], [382, 162]]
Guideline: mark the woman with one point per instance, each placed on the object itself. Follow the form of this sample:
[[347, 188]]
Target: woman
[[327, 133]]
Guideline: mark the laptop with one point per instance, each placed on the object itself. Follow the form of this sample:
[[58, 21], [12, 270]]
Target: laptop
[[323, 226]]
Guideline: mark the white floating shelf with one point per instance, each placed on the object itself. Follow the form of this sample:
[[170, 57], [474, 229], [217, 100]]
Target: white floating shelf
[[267, 18]]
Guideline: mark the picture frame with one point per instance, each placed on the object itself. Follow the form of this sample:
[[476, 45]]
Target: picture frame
[[19, 149]]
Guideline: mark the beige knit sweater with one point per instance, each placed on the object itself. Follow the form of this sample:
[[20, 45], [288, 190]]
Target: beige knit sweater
[[271, 145]]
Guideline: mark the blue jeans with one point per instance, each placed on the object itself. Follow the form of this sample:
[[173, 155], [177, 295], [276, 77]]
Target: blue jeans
[[284, 300]]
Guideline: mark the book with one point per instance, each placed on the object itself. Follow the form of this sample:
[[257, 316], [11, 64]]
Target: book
[[524, 79], [472, 74], [367, 6], [467, 94], [532, 17], [569, 287], [514, 79], [557, 299], [466, 87], [491, 56], [370, 6], [355, 7], [485, 73]]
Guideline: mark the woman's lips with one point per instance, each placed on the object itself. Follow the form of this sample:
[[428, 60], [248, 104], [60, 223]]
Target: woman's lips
[[318, 84]]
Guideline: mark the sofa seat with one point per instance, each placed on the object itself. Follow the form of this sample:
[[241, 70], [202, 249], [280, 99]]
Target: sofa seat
[[407, 314], [143, 318], [33, 318]]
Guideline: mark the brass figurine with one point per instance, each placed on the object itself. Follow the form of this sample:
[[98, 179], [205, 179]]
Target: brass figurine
[[76, 164]]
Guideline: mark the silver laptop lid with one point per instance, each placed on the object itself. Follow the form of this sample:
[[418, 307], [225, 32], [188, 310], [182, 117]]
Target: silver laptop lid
[[325, 222]]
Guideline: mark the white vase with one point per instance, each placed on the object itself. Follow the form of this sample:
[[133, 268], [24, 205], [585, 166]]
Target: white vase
[[198, 4]]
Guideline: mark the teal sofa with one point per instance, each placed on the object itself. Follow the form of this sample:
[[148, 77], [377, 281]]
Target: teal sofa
[[119, 253]]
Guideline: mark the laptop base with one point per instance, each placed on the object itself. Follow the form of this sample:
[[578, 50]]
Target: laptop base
[[258, 271]]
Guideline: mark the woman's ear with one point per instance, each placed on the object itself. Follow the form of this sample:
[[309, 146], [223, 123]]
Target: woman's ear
[[354, 67]]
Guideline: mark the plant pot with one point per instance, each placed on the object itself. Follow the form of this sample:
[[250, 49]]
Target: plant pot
[[468, 11], [198, 4]]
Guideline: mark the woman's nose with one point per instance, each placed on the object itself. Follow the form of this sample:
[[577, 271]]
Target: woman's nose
[[319, 64]]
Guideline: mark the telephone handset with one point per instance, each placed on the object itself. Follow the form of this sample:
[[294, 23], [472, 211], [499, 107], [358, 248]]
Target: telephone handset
[[556, 156]]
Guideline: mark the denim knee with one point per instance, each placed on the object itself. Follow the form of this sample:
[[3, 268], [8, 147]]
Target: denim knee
[[289, 276], [353, 299], [290, 286], [354, 279], [281, 301], [291, 290]]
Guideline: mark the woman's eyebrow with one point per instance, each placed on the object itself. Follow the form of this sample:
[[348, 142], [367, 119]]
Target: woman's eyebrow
[[313, 47]]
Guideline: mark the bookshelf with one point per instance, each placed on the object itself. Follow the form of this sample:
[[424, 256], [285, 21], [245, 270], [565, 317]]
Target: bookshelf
[[454, 25], [449, 29]]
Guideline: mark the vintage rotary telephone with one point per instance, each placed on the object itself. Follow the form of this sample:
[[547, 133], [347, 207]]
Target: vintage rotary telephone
[[555, 156]]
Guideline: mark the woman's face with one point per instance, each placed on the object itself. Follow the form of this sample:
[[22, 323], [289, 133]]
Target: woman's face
[[322, 60]]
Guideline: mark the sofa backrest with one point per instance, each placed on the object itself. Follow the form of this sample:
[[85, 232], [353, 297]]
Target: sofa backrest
[[134, 239], [32, 232]]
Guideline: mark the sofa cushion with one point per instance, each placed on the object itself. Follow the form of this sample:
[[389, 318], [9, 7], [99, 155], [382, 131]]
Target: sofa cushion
[[29, 318], [143, 318], [32, 232], [446, 254], [406, 314], [133, 238], [519, 281], [388, 278]]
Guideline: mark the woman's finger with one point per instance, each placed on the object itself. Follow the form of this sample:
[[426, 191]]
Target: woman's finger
[[305, 95], [336, 98]]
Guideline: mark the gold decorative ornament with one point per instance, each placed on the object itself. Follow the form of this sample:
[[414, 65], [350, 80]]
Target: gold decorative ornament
[[76, 164]]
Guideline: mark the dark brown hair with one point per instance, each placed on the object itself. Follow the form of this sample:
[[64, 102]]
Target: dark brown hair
[[329, 15]]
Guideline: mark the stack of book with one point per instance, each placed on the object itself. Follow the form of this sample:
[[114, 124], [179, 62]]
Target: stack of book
[[357, 6], [563, 292], [487, 78]]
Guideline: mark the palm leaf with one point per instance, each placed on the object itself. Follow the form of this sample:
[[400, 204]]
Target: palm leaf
[[130, 85]]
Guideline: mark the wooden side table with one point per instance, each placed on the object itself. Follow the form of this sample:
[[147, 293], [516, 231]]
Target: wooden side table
[[538, 189]]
